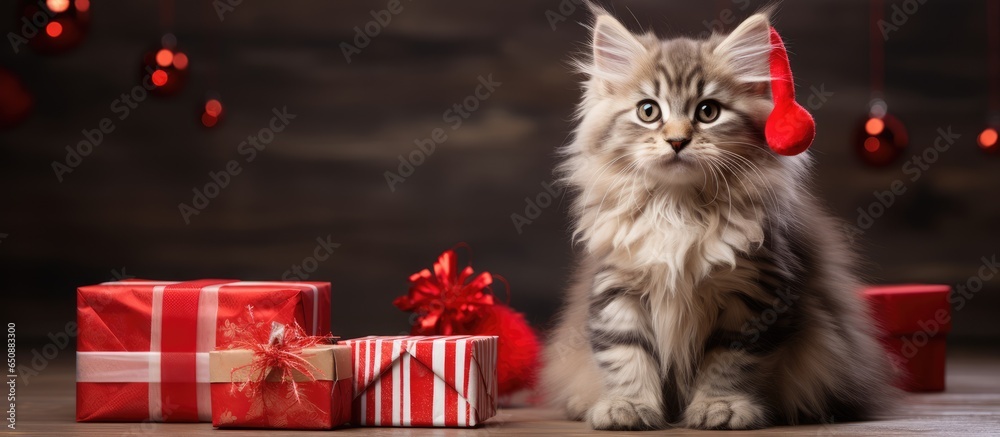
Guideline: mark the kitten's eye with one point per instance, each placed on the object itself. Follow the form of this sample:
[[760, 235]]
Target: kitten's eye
[[648, 111], [708, 111]]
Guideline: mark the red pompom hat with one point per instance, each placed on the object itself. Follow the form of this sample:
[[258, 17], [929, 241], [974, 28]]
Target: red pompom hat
[[790, 129]]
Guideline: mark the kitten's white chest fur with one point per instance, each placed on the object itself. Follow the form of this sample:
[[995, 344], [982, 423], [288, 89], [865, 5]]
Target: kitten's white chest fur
[[683, 255], [674, 241]]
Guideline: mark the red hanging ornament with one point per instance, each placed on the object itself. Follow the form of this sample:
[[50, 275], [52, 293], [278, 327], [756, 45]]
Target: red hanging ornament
[[987, 139], [164, 68], [447, 302], [880, 138], [211, 112]]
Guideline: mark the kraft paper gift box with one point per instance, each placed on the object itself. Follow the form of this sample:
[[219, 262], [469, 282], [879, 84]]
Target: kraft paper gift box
[[424, 381], [324, 396], [142, 346], [915, 320]]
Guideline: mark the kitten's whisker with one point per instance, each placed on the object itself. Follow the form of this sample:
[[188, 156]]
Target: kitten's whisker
[[704, 180], [613, 186], [760, 175], [757, 211], [756, 169], [604, 168], [757, 149], [585, 195], [716, 185]]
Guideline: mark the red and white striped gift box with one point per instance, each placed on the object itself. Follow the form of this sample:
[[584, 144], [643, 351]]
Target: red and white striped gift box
[[424, 381], [142, 346]]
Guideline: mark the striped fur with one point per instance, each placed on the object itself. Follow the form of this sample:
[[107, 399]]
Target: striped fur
[[713, 290]]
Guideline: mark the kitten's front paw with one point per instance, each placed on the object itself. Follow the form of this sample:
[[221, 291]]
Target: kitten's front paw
[[729, 412], [623, 414]]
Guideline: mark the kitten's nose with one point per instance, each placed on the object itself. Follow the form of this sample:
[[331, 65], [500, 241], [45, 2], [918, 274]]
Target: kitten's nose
[[678, 143]]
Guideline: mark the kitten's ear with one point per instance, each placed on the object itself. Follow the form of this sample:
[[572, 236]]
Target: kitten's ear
[[616, 50], [748, 49]]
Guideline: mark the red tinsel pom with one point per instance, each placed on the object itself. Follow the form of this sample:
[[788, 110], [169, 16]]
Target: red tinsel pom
[[518, 347], [451, 301]]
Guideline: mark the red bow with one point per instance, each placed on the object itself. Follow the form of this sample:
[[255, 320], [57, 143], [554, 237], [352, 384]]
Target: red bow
[[277, 348], [444, 302]]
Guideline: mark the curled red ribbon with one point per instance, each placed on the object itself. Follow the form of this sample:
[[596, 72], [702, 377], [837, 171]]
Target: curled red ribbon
[[446, 301], [277, 348]]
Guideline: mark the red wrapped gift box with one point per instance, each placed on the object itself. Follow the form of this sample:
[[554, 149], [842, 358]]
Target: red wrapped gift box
[[424, 381], [324, 397], [142, 347], [915, 319]]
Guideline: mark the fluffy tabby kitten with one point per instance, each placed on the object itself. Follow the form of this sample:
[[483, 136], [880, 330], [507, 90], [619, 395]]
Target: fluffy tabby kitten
[[714, 291]]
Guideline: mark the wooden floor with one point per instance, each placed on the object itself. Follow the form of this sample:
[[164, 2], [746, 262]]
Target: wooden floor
[[970, 406]]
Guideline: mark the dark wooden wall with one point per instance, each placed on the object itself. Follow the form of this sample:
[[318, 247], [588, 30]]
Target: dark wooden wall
[[324, 175]]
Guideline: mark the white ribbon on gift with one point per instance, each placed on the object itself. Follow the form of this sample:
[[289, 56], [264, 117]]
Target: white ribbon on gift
[[144, 367]]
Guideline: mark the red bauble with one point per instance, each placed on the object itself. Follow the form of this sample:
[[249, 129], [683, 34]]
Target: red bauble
[[880, 140], [210, 113], [164, 68]]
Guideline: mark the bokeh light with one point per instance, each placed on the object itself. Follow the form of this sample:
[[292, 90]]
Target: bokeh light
[[164, 57], [209, 120], [872, 144], [988, 139], [213, 107], [53, 29], [159, 78], [57, 6], [180, 61], [880, 140], [874, 126]]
